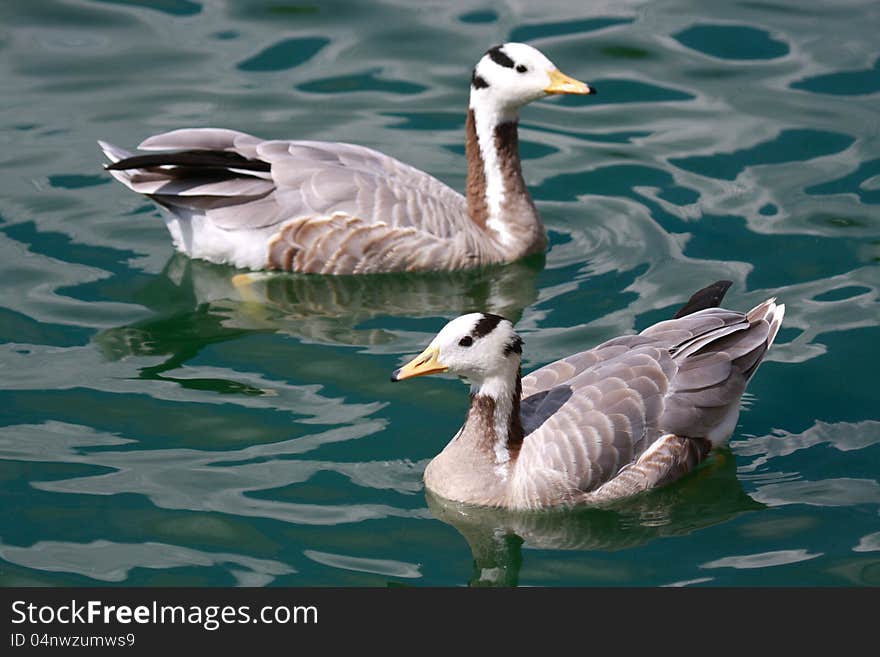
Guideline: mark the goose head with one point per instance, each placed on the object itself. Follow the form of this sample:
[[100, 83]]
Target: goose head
[[514, 74], [479, 347]]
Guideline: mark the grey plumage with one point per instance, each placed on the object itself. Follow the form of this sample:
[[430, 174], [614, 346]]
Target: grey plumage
[[681, 380], [323, 207], [633, 413], [335, 208]]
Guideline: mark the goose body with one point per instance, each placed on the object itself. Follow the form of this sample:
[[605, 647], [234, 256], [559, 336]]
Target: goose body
[[336, 208], [631, 414]]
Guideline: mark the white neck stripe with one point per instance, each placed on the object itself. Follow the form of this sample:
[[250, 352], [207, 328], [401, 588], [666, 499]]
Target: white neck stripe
[[486, 120], [501, 393]]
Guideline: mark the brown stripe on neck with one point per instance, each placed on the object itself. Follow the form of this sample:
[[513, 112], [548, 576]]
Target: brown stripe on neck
[[507, 146], [517, 206], [475, 188], [515, 433], [482, 413]]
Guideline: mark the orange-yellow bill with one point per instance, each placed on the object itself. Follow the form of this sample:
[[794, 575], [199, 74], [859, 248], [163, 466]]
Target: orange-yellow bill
[[427, 362], [560, 83]]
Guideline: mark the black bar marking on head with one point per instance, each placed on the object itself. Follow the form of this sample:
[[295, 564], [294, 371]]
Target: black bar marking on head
[[486, 325], [514, 346], [478, 82], [499, 57]]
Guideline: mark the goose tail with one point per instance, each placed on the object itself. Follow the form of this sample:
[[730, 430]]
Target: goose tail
[[115, 154], [772, 313]]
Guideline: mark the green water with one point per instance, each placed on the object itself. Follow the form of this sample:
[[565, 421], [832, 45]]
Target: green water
[[157, 428]]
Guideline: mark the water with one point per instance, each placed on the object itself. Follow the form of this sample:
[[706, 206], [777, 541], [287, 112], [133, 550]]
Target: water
[[159, 428]]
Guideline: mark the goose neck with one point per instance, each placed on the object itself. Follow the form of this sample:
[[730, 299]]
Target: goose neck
[[494, 418], [497, 198]]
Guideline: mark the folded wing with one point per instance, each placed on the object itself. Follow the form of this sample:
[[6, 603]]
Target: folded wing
[[591, 416], [240, 182]]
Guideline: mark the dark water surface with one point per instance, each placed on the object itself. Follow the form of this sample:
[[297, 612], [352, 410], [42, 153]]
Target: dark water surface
[[160, 427]]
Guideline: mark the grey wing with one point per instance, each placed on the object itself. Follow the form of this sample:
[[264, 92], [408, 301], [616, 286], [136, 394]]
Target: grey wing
[[713, 368], [299, 179], [326, 177], [593, 420], [342, 244], [668, 458], [581, 431]]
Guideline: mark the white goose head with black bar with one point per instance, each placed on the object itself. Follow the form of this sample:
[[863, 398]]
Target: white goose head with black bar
[[480, 347], [483, 349], [508, 77], [513, 74]]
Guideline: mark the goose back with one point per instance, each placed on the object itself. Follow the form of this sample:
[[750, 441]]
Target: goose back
[[588, 416]]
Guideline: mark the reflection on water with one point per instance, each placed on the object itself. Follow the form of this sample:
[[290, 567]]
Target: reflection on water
[[844, 436], [501, 540], [776, 489], [226, 481], [762, 559], [111, 562], [211, 303], [736, 42]]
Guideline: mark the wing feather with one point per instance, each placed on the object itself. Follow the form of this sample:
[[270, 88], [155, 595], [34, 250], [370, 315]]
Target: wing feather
[[215, 139], [591, 417], [307, 179]]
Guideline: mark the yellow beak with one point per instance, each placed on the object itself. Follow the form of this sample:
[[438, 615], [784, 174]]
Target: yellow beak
[[560, 83], [427, 362]]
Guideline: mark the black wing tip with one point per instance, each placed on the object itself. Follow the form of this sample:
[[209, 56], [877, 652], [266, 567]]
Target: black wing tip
[[708, 297], [191, 159]]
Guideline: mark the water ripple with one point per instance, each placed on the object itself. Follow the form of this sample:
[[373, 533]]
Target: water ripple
[[844, 436], [386, 567], [762, 559], [197, 480], [844, 83], [844, 491], [735, 42], [285, 54], [107, 561]]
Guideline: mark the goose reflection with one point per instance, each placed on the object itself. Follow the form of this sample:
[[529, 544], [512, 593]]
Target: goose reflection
[[197, 303], [498, 538]]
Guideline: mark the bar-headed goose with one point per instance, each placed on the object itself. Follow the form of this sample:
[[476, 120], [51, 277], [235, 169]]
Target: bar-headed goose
[[634, 413], [334, 208]]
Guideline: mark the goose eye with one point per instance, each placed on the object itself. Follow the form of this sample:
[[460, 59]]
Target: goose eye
[[466, 341], [522, 68]]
